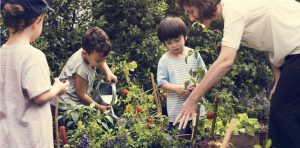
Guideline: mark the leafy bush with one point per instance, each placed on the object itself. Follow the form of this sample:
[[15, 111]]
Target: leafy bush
[[132, 25], [136, 128]]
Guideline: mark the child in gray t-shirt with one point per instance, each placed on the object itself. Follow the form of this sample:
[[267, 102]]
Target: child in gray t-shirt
[[80, 69]]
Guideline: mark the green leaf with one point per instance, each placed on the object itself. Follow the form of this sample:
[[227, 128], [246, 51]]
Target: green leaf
[[109, 119], [269, 143], [69, 123], [104, 125], [75, 116], [258, 146]]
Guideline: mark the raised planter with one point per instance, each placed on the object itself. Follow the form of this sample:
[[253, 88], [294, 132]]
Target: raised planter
[[248, 141]]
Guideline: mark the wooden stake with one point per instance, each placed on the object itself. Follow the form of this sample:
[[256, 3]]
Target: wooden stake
[[157, 100], [195, 122], [216, 107], [229, 130], [56, 122]]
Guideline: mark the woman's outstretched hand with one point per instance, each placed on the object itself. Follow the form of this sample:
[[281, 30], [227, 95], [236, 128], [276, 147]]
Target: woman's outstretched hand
[[188, 110]]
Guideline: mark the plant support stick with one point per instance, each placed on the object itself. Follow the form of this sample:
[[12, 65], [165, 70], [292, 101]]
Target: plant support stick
[[195, 125], [56, 122]]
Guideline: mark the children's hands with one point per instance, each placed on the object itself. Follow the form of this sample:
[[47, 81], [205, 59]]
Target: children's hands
[[191, 88], [180, 90], [103, 108], [61, 87], [111, 78]]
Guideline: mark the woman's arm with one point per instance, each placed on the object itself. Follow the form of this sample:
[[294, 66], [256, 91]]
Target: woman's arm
[[214, 75], [276, 74]]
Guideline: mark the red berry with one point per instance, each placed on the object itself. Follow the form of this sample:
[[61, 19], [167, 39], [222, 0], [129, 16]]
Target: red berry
[[210, 115], [165, 95], [125, 92], [139, 109]]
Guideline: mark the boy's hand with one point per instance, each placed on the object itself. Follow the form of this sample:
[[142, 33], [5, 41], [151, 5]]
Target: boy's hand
[[180, 90], [191, 88], [111, 78], [103, 108], [61, 87]]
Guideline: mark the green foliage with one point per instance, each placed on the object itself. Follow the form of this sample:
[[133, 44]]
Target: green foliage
[[85, 114], [123, 68], [246, 125], [196, 75], [224, 114], [63, 30], [132, 25], [268, 144], [134, 129]]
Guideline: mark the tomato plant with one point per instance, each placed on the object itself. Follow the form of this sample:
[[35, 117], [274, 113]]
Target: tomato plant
[[125, 92], [139, 109], [210, 115]]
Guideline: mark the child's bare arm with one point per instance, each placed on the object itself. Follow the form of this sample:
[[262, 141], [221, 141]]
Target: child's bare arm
[[80, 86], [57, 89], [109, 74], [176, 88]]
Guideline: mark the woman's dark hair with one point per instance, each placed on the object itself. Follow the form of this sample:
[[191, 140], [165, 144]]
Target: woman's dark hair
[[171, 28], [13, 17], [96, 39], [207, 8]]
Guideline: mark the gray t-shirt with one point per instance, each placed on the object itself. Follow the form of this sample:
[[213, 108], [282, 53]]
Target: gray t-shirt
[[24, 75], [76, 65]]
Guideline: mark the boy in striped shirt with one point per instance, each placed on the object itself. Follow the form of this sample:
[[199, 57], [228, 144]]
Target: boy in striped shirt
[[173, 68]]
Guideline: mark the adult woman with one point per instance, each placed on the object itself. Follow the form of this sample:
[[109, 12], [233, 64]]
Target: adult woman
[[272, 26]]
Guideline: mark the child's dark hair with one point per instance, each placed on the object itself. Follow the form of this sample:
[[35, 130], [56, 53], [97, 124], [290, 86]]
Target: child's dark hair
[[96, 39], [13, 17], [171, 28]]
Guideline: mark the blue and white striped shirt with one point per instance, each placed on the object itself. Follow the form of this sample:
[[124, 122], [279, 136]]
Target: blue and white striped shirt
[[176, 71]]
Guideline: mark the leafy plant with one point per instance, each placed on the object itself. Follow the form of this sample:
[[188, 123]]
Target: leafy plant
[[268, 144], [246, 125], [135, 128]]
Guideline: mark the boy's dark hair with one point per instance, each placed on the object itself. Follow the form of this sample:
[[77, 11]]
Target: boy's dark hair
[[96, 39], [171, 28], [19, 14], [207, 8]]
